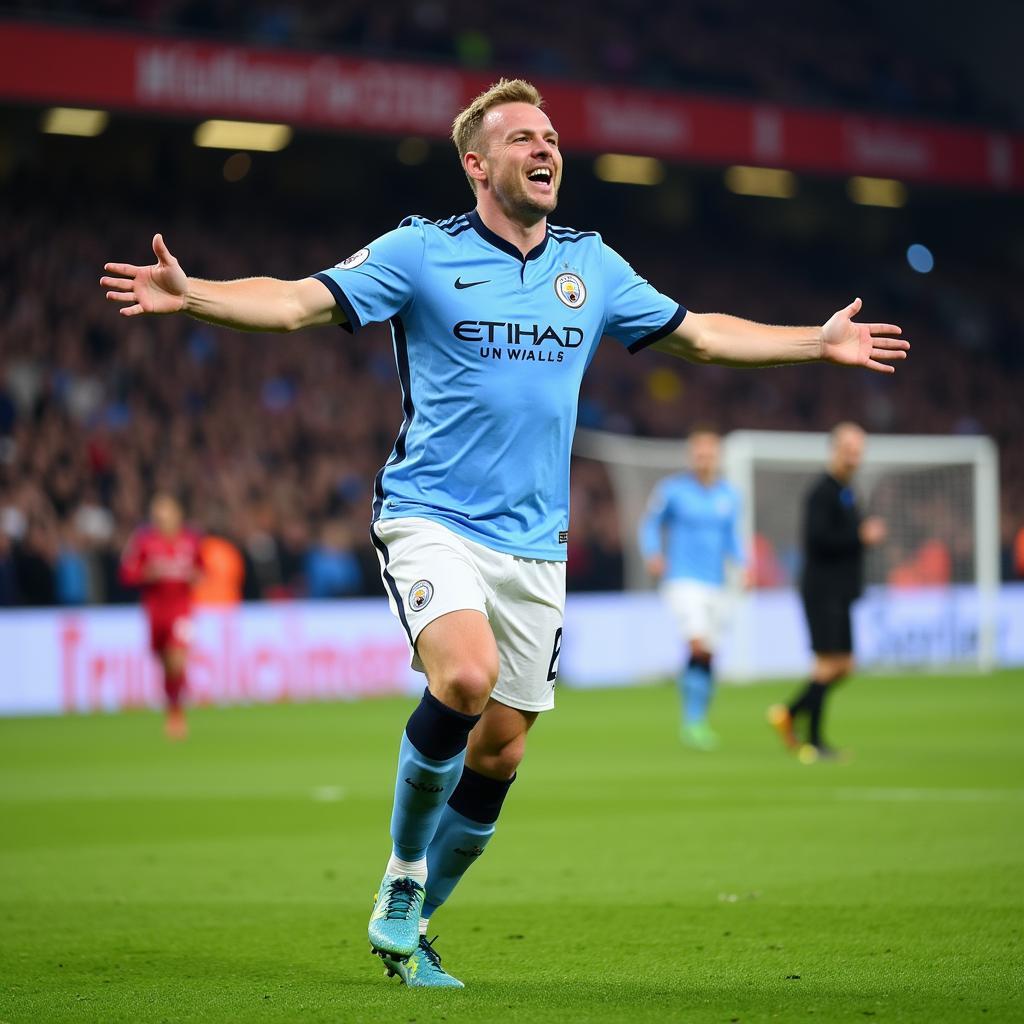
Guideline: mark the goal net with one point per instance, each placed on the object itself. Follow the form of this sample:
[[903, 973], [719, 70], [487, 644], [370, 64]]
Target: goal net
[[938, 494]]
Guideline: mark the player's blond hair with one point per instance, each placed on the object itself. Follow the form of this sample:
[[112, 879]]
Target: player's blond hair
[[468, 124]]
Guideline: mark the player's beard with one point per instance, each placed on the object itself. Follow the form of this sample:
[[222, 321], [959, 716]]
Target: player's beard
[[513, 196]]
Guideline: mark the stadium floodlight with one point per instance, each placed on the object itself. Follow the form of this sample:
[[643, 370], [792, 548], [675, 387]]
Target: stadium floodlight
[[243, 135], [877, 192], [74, 121], [769, 182], [623, 169], [938, 494]]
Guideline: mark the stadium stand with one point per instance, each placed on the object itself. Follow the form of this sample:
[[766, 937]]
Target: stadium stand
[[787, 52]]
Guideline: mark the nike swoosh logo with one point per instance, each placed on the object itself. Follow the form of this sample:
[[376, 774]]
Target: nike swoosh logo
[[460, 284]]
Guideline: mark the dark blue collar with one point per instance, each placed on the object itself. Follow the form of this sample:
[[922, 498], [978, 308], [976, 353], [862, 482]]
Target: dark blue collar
[[500, 243]]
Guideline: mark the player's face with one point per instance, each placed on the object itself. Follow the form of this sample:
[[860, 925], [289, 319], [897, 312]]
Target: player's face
[[705, 453], [847, 452], [166, 515], [522, 160]]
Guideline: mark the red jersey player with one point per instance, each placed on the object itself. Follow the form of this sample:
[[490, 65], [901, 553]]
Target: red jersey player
[[163, 559]]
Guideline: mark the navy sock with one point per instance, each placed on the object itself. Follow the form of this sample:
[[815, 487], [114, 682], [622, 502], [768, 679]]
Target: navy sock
[[466, 826], [430, 762], [438, 731], [698, 685]]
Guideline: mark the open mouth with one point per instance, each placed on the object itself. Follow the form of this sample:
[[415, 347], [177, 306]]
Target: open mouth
[[541, 176]]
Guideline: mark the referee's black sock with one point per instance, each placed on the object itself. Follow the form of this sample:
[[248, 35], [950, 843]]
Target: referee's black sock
[[816, 693], [802, 702]]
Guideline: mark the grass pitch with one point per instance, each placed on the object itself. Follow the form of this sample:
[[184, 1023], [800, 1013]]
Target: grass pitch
[[229, 879]]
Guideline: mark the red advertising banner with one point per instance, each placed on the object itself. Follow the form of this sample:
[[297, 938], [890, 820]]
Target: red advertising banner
[[44, 64]]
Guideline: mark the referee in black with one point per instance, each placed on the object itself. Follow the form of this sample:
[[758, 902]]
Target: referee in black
[[834, 538]]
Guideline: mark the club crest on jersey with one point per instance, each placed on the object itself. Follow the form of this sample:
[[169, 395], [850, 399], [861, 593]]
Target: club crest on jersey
[[571, 290], [357, 259], [420, 595]]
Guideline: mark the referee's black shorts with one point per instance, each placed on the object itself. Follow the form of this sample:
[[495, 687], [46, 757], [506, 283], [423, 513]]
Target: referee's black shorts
[[828, 618]]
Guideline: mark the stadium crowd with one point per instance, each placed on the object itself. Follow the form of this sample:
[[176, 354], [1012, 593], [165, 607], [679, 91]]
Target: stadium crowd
[[785, 52], [274, 443]]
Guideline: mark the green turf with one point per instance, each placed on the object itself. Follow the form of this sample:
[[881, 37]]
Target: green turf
[[229, 879]]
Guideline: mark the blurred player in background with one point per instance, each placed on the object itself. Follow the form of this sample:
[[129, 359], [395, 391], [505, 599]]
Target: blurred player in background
[[495, 316], [163, 559], [834, 539], [689, 533]]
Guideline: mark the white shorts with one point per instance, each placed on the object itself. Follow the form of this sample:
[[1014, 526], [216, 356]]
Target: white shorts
[[428, 571], [699, 609]]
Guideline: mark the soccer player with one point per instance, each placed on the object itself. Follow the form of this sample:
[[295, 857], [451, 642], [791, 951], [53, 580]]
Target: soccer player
[[689, 533], [834, 538], [164, 559], [495, 315]]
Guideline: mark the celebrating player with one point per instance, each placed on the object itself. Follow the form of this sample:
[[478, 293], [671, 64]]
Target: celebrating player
[[834, 540], [163, 559], [495, 316], [690, 531]]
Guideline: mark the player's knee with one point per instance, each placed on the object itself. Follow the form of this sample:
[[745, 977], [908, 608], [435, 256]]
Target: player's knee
[[842, 669], [174, 660], [466, 685]]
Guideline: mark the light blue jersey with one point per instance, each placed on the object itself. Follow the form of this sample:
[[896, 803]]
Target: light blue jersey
[[695, 527], [491, 349]]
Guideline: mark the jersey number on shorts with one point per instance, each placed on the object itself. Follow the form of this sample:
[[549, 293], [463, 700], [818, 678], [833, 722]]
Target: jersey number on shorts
[[555, 652]]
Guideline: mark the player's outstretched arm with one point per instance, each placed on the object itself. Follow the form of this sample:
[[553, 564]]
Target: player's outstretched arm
[[252, 304], [731, 341]]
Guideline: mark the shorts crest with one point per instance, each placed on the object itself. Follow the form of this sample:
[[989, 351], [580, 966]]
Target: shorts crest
[[420, 595]]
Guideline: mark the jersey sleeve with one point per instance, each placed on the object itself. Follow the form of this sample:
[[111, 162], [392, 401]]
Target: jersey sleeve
[[636, 313], [377, 282], [649, 535], [132, 561]]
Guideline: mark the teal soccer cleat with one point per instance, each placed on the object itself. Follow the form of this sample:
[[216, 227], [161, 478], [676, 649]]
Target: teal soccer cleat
[[395, 921], [423, 969]]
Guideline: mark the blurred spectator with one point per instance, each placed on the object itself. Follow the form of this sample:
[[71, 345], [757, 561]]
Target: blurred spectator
[[35, 562], [332, 568], [8, 573], [929, 566], [765, 566], [223, 572], [71, 571]]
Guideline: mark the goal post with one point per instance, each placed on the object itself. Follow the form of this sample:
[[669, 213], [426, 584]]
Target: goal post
[[938, 494]]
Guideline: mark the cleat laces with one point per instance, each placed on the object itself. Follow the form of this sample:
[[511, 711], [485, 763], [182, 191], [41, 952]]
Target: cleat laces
[[400, 899], [433, 957]]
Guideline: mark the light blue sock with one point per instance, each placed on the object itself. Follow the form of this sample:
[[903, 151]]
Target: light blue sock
[[457, 844], [422, 788], [697, 686]]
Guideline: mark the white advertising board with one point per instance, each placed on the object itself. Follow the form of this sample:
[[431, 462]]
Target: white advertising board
[[54, 662]]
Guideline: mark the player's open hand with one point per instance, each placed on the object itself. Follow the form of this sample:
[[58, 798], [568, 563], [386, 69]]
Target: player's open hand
[[874, 346], [160, 288]]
